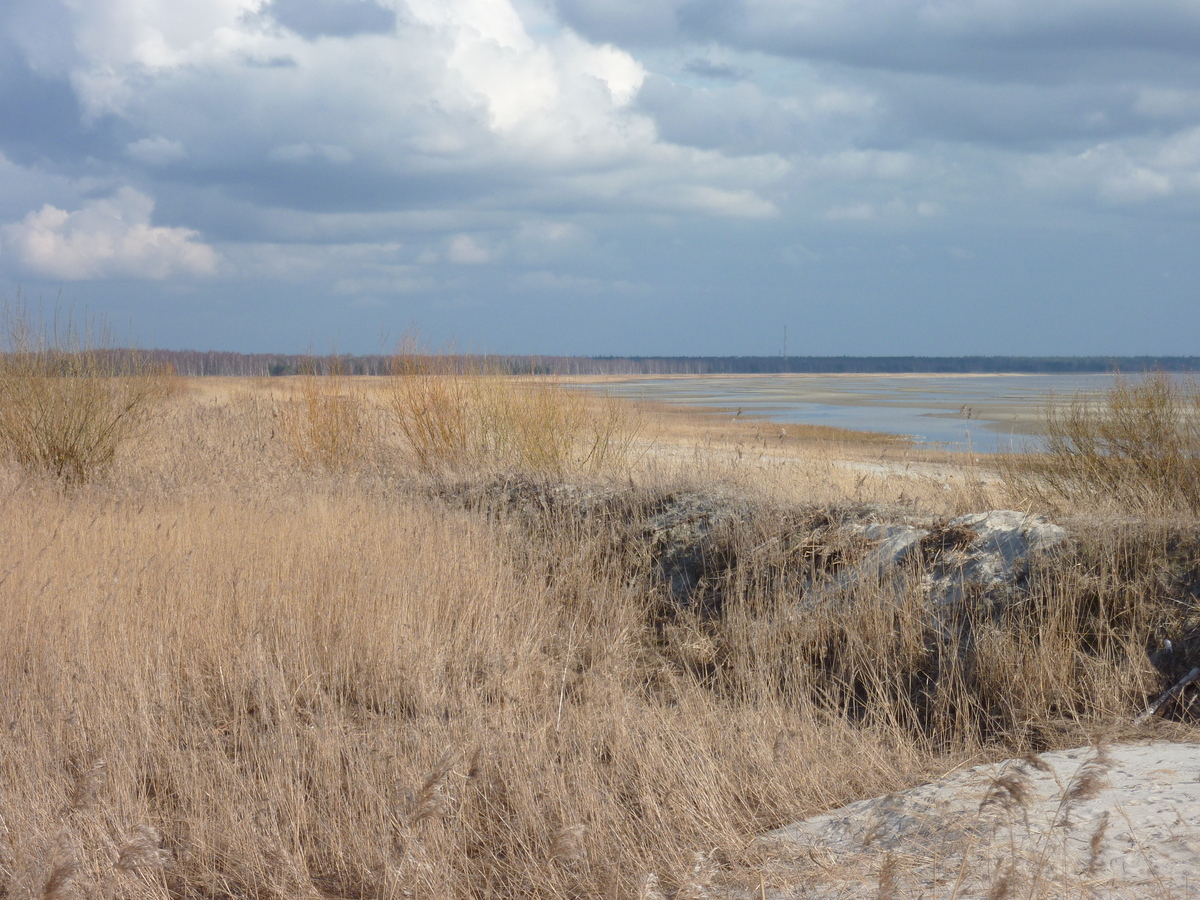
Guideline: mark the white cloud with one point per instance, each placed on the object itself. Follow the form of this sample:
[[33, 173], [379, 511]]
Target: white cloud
[[550, 233], [110, 238], [703, 198], [883, 165], [119, 44], [620, 72], [461, 98], [465, 250], [1124, 173]]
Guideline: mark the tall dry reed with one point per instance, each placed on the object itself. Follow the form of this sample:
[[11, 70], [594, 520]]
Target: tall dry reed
[[328, 422], [1136, 447], [248, 684], [70, 396], [457, 413]]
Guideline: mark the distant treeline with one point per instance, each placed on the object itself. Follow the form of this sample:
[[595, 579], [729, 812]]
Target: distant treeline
[[194, 362]]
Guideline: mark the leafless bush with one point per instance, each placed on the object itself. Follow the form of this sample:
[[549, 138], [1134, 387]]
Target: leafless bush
[[328, 423], [70, 396], [1137, 447], [457, 413]]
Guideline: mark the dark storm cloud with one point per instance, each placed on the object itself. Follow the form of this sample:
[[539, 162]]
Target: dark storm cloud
[[332, 18], [634, 23], [1021, 39], [39, 116]]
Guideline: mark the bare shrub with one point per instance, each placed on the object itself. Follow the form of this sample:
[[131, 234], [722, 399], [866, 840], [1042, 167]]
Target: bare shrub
[[458, 413], [70, 396], [327, 425], [1137, 447]]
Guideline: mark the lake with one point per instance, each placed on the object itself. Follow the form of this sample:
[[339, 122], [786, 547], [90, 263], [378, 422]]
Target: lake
[[983, 413]]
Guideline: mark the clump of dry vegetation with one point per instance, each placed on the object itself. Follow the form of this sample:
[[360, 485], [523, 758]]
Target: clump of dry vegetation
[[455, 414], [328, 422], [70, 397], [1135, 448], [222, 681]]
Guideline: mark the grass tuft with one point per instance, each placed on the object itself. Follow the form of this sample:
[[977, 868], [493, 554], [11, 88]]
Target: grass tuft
[[327, 423], [1136, 448], [70, 396], [64, 868], [456, 414]]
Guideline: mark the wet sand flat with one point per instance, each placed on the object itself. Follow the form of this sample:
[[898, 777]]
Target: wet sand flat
[[983, 412]]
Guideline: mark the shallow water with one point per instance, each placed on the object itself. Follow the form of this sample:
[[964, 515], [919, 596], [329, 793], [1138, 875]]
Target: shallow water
[[982, 413]]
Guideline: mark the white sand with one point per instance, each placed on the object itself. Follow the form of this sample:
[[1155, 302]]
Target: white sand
[[1136, 833]]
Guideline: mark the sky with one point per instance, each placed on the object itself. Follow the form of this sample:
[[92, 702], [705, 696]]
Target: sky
[[609, 177]]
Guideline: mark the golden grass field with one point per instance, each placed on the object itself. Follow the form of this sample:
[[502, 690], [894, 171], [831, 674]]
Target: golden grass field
[[272, 652]]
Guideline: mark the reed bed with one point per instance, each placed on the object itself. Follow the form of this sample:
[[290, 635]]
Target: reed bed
[[225, 674]]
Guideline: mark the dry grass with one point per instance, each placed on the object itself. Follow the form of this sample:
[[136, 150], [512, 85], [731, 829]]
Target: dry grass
[[1136, 449], [328, 423], [456, 415], [221, 677], [70, 398]]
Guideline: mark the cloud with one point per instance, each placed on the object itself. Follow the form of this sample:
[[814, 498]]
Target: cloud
[[702, 198], [881, 165], [389, 281], [627, 22], [1015, 74], [1125, 174], [981, 36], [418, 151], [455, 104], [544, 280], [706, 68], [332, 18], [156, 151], [110, 238], [466, 250], [304, 152]]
